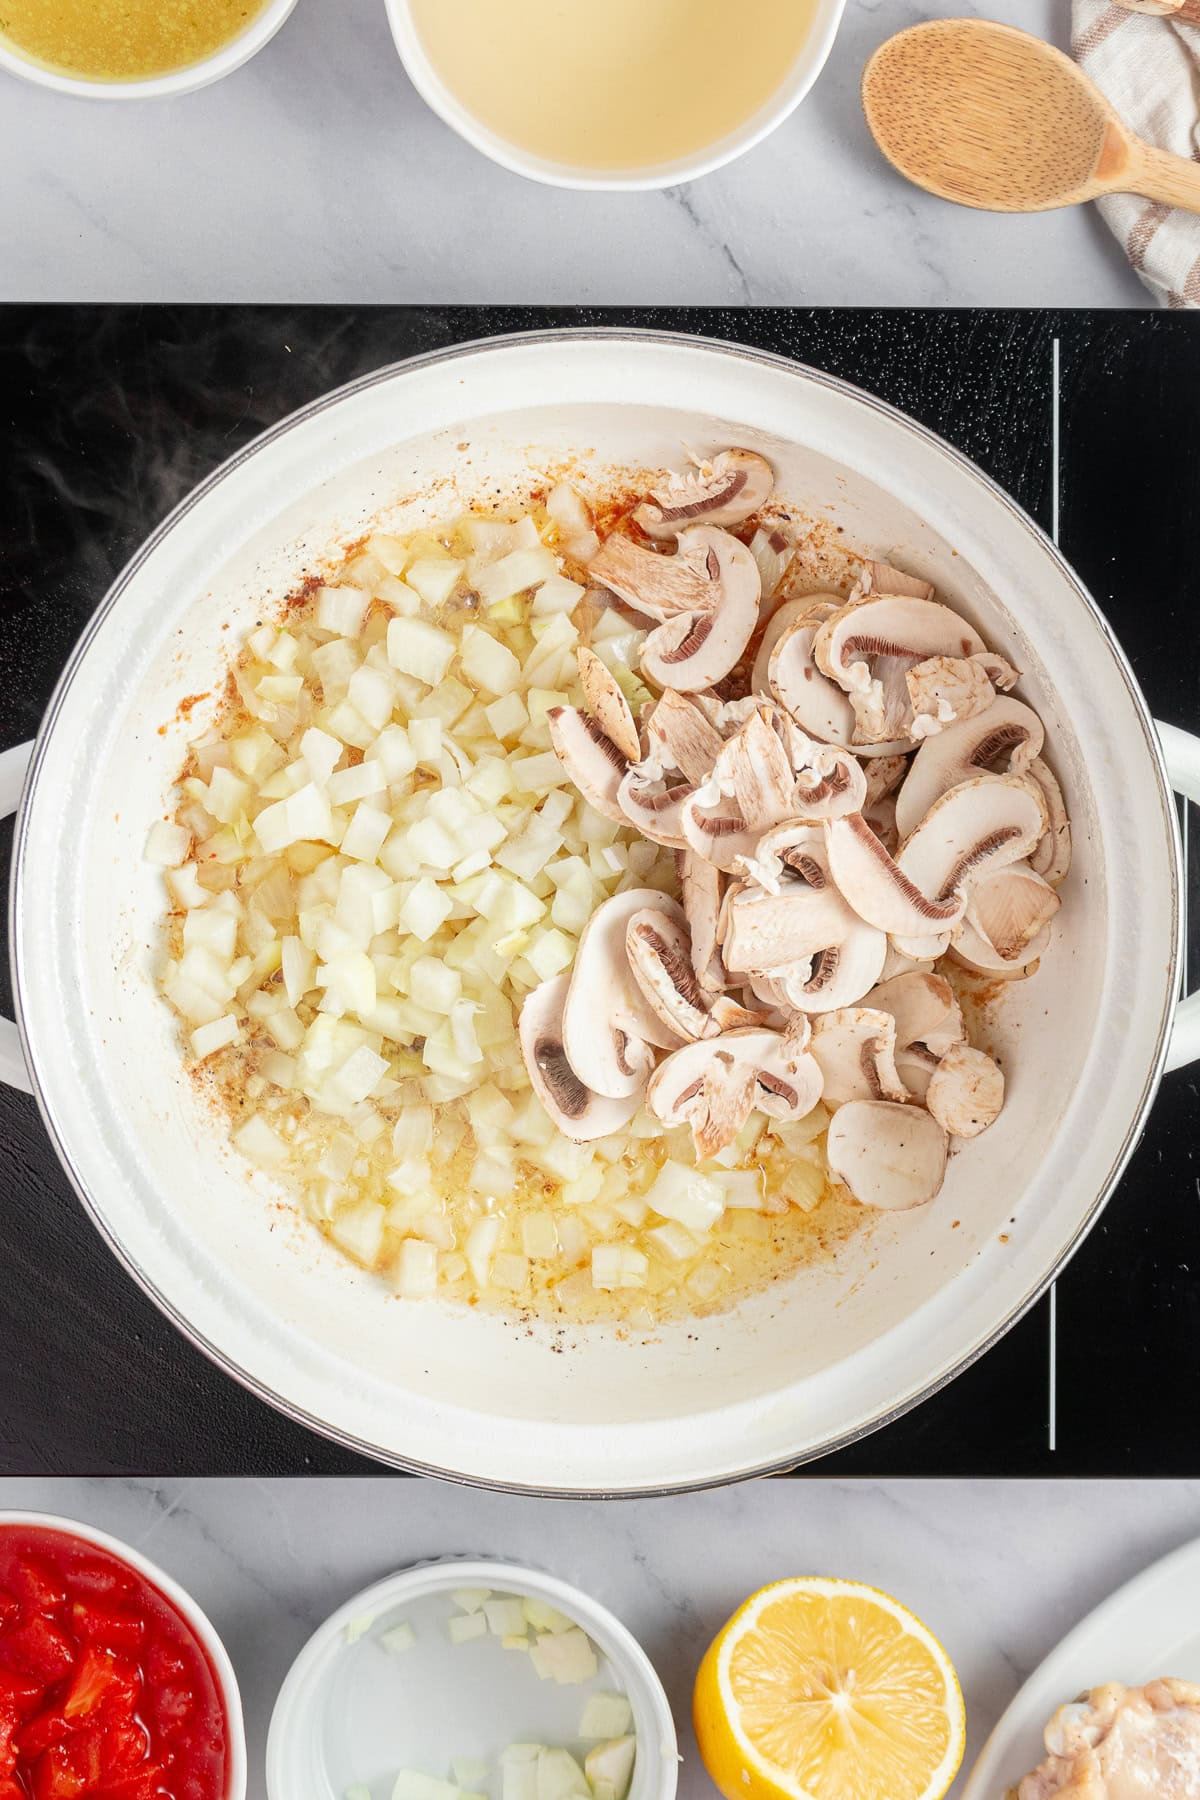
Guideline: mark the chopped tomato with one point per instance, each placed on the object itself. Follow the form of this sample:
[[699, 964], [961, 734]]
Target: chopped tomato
[[37, 1584], [105, 1691], [40, 1647], [145, 1785], [103, 1625], [100, 1678]]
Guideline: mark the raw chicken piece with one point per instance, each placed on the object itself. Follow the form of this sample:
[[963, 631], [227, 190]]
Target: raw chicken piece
[[1121, 1743]]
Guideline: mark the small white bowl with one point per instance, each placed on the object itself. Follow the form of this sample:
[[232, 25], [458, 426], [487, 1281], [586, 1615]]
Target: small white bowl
[[230, 56], [787, 96], [188, 1610], [345, 1703]]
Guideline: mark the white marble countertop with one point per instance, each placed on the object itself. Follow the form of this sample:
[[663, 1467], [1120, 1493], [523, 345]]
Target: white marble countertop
[[315, 173], [999, 1570]]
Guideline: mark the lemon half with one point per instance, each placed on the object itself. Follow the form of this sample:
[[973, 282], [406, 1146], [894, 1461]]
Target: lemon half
[[828, 1690]]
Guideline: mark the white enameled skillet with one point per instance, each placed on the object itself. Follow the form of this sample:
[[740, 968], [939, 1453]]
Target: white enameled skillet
[[799, 1369]]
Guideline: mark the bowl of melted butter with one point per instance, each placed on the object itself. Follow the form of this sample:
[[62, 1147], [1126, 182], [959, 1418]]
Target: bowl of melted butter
[[133, 49], [613, 93]]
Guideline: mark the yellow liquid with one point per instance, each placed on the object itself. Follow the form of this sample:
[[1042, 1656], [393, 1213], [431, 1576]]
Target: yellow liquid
[[613, 84], [123, 40]]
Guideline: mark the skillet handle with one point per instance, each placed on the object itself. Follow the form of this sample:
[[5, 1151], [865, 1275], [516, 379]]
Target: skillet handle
[[1182, 752], [14, 766]]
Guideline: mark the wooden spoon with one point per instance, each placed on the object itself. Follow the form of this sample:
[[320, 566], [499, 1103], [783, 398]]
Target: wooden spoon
[[989, 116]]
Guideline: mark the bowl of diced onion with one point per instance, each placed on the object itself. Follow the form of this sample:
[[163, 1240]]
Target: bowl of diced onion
[[471, 1679]]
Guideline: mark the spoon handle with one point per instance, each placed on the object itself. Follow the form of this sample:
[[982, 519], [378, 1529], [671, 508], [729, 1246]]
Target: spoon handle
[[1161, 176]]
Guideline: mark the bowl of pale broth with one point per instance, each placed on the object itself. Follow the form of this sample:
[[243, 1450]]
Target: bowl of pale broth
[[613, 93], [133, 49]]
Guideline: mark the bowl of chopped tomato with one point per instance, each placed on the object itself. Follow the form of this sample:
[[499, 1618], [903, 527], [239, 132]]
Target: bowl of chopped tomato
[[113, 1683]]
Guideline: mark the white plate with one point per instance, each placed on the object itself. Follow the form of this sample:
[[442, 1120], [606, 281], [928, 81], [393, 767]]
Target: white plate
[[1148, 1628]]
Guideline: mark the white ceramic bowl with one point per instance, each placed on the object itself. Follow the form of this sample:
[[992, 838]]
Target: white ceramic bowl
[[792, 88], [348, 1712], [199, 1622], [230, 56]]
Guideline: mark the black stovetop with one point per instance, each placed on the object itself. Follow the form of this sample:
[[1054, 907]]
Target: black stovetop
[[111, 413]]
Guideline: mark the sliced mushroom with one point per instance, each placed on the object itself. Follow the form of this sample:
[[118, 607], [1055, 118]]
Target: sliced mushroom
[[830, 782], [590, 758], [698, 649], [855, 1048], [881, 817], [889, 1156], [897, 963], [724, 491], [714, 1085], [946, 689], [1004, 927], [811, 609], [793, 850], [763, 934], [1052, 858], [659, 954], [751, 788], [868, 648], [966, 1091], [608, 1028], [915, 1067], [974, 829], [1002, 741], [680, 737], [708, 566], [607, 704], [925, 1009], [884, 775], [654, 802], [700, 885], [879, 889], [882, 578], [817, 704], [579, 1113]]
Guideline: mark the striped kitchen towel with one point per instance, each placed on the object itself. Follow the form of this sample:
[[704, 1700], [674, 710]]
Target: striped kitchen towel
[[1150, 69]]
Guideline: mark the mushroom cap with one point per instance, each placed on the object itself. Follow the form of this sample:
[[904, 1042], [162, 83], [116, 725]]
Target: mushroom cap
[[925, 1009], [965, 1092], [855, 1048], [879, 889], [608, 1027], [659, 952], [724, 491], [578, 1113], [590, 758], [915, 1067], [1003, 740], [1052, 858], [975, 828], [607, 704], [868, 647], [835, 977], [714, 1085], [889, 1156], [811, 608]]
